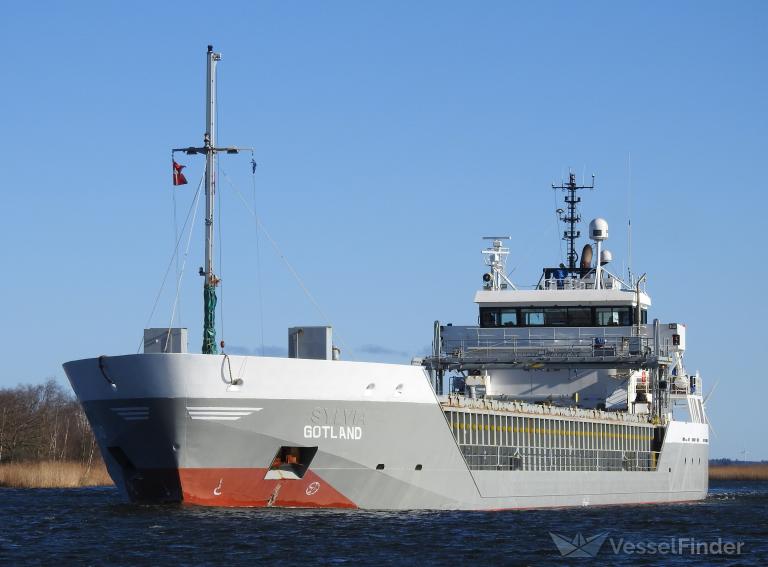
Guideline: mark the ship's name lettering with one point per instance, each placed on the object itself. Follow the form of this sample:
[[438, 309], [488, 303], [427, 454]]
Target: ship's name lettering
[[336, 416], [333, 432]]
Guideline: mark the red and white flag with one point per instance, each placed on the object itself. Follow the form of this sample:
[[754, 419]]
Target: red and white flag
[[178, 176]]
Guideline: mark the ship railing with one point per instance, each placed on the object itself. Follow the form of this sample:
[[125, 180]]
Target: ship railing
[[516, 347], [582, 279], [681, 391], [460, 401], [578, 284], [498, 458], [566, 283]]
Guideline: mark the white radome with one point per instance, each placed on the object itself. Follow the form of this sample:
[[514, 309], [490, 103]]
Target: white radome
[[598, 229]]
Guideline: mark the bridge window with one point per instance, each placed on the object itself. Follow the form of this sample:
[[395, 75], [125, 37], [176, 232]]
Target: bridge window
[[489, 317], [556, 317], [559, 316], [509, 317], [580, 316], [613, 316], [533, 317]]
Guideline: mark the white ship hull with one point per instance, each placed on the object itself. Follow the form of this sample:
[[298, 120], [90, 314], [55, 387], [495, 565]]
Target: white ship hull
[[205, 429]]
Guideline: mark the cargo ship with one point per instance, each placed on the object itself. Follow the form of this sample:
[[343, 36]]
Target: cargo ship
[[566, 394]]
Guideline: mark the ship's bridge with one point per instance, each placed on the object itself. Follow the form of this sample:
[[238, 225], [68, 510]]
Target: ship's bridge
[[573, 317], [586, 296], [552, 307], [603, 327], [591, 326]]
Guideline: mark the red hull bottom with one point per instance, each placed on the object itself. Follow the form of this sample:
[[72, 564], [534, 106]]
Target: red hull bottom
[[237, 487]]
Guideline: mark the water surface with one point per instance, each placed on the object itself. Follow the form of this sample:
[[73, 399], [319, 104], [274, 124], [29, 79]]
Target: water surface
[[92, 526]]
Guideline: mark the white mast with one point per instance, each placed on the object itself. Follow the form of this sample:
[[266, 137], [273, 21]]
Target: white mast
[[210, 162], [495, 258], [210, 150], [598, 231], [209, 142]]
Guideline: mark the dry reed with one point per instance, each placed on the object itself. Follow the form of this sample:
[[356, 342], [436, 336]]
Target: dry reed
[[53, 474], [738, 472]]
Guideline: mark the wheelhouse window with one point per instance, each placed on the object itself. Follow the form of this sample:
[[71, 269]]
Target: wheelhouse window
[[508, 318], [559, 316], [556, 317], [643, 316], [489, 317], [625, 316], [613, 316], [580, 316], [533, 317]]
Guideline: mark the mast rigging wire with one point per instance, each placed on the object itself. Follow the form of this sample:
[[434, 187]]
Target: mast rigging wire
[[181, 274], [175, 229], [282, 256], [258, 257], [219, 210], [170, 263], [221, 255]]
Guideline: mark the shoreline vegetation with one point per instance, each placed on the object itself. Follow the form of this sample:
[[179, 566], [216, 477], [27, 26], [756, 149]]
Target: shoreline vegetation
[[54, 474], [46, 441], [745, 471]]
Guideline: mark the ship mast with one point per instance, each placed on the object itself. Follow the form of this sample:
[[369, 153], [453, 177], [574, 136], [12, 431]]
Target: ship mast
[[210, 150], [572, 217], [209, 141]]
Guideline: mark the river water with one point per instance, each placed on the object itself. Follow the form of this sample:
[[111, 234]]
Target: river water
[[92, 526]]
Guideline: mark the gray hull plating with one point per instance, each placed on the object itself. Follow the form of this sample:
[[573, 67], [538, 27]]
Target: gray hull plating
[[386, 453]]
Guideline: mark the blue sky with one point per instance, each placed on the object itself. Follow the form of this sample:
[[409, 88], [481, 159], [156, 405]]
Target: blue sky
[[390, 137]]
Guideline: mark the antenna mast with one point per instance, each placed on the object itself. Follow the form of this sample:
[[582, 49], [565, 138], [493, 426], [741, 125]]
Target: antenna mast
[[210, 150], [572, 217], [495, 258], [629, 217]]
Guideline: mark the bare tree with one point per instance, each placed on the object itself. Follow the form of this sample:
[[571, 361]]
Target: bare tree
[[36, 423]]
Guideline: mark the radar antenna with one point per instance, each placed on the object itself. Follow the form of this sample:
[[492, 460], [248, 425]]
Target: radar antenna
[[572, 217]]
